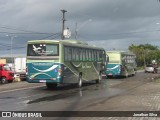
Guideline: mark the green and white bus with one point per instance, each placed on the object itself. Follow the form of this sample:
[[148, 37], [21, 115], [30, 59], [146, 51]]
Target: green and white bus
[[121, 63], [64, 61]]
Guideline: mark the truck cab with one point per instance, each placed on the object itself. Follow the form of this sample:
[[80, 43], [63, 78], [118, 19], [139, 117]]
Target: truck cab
[[6, 75]]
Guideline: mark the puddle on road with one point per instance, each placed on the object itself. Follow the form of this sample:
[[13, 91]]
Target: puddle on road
[[53, 97], [84, 93], [7, 98]]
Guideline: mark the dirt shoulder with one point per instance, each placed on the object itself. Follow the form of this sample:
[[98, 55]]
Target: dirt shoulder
[[18, 85]]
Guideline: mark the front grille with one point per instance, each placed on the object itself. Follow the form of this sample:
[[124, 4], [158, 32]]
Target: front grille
[[11, 74], [23, 75]]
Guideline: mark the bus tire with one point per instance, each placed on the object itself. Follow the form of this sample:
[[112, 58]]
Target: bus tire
[[4, 80], [126, 75], [134, 73], [80, 81], [51, 85], [99, 78]]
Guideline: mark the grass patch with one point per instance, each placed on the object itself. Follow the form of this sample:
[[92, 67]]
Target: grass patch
[[157, 80]]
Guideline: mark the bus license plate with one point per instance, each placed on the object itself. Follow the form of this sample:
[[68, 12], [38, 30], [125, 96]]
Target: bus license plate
[[42, 81]]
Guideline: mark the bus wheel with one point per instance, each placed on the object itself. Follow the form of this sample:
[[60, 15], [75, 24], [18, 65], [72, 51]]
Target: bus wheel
[[134, 73], [80, 81], [51, 85], [126, 75], [4, 80], [99, 78]]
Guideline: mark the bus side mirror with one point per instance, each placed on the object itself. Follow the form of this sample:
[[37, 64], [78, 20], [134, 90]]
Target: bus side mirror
[[107, 58]]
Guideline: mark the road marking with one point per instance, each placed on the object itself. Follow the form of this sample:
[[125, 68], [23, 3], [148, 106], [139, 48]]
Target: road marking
[[21, 89]]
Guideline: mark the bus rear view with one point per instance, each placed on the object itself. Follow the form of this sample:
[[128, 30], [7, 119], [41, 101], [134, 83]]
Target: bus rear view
[[43, 63], [121, 64]]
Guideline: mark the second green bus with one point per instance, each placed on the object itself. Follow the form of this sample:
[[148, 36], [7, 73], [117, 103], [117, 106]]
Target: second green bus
[[121, 63]]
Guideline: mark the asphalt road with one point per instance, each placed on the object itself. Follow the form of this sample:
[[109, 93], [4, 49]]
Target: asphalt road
[[138, 93]]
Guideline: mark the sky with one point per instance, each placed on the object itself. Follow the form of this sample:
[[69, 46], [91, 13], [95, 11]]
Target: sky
[[111, 24]]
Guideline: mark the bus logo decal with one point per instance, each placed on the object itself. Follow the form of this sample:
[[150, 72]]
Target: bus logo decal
[[36, 49], [49, 69], [76, 65], [85, 65], [39, 74], [113, 67]]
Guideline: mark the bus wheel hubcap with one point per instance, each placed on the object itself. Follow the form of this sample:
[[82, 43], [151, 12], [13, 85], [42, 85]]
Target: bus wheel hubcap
[[80, 82]]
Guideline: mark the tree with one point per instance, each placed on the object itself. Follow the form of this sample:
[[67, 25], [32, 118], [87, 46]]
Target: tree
[[145, 53]]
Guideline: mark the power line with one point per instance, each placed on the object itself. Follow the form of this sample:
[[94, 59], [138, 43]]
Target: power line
[[57, 36], [3, 32], [28, 31], [132, 32], [127, 33], [22, 33], [49, 36]]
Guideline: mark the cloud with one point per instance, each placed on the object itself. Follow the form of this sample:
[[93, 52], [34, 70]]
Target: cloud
[[116, 21]]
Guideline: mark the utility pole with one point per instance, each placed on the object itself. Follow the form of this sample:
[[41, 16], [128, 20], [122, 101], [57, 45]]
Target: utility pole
[[63, 23]]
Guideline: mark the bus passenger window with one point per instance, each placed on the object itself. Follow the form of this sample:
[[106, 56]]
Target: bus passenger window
[[95, 55], [87, 56], [81, 57], [73, 54], [65, 54], [77, 54], [90, 55], [84, 55], [100, 55], [98, 58], [92, 52], [69, 54]]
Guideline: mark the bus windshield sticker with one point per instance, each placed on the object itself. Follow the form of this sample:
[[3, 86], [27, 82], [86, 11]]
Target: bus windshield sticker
[[42, 50]]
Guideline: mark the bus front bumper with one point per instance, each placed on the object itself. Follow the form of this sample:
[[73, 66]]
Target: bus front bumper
[[55, 80]]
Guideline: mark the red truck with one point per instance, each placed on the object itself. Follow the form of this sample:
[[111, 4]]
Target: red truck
[[6, 75]]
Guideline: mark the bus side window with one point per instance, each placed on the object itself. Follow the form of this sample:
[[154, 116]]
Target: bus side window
[[95, 55], [0, 67], [69, 54], [104, 57], [80, 55], [84, 54], [98, 57], [65, 54], [92, 52], [90, 55], [87, 56], [101, 56], [73, 54], [77, 54]]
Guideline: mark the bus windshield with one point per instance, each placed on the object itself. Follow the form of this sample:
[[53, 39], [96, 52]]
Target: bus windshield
[[114, 58], [42, 50]]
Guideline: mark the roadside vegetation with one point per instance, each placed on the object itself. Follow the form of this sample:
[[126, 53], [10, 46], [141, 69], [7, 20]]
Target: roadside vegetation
[[145, 54]]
